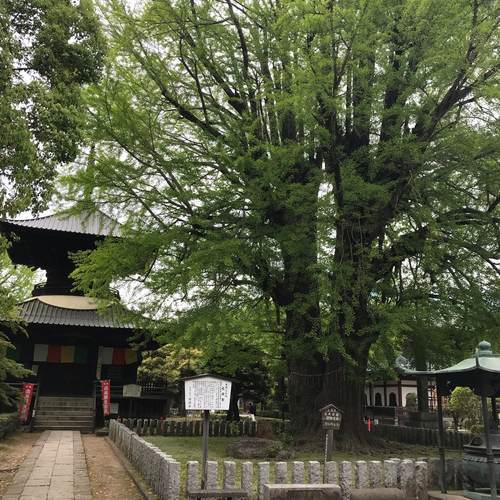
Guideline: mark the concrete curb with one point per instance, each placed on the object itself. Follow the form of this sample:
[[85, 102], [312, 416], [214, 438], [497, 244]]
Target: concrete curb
[[134, 475]]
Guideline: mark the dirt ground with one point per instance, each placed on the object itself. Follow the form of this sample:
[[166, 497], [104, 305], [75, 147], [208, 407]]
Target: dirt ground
[[108, 478], [13, 450]]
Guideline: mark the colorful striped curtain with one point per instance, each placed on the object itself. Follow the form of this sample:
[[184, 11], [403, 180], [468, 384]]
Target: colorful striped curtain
[[44, 353], [116, 356]]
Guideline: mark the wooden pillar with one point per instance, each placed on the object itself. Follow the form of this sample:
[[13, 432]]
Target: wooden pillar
[[206, 424], [489, 452], [442, 457], [494, 412]]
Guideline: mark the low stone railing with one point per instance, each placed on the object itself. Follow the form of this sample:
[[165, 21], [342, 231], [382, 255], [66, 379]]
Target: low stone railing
[[162, 472]]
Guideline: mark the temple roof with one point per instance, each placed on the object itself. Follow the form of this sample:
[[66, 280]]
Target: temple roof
[[484, 360], [95, 223], [481, 373], [55, 310]]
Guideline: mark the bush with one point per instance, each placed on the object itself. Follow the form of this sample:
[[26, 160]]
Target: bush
[[9, 422], [411, 401], [465, 408]]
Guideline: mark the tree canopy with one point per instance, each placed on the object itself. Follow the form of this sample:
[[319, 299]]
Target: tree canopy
[[49, 49], [335, 163]]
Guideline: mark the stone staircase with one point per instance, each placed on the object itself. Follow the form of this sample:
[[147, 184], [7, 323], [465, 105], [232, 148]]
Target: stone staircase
[[64, 413]]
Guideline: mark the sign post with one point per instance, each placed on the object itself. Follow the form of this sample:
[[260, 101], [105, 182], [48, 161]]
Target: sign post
[[206, 392], [331, 418]]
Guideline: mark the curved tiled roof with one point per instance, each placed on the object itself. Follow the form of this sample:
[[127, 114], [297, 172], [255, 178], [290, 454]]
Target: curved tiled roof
[[95, 223], [35, 310]]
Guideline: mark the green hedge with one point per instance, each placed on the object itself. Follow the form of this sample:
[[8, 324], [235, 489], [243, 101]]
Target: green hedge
[[9, 422]]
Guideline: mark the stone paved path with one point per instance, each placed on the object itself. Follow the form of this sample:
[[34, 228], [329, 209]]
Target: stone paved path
[[55, 469]]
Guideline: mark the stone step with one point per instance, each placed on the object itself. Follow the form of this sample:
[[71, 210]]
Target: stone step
[[66, 413], [49, 400], [451, 495], [83, 429], [55, 420], [64, 404]]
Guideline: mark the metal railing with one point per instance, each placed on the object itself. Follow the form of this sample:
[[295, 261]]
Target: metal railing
[[147, 389]]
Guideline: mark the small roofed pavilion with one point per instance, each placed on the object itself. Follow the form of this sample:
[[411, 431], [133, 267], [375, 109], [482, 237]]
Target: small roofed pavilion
[[481, 373]]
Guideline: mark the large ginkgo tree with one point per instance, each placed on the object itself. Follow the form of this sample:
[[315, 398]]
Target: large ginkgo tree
[[295, 155]]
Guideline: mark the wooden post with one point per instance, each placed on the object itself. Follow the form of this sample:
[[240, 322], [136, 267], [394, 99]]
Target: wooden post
[[489, 453], [494, 412], [329, 437], [328, 449], [206, 422], [441, 439]]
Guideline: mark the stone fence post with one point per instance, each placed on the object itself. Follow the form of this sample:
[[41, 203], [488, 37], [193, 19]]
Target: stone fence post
[[262, 479], [345, 480], [421, 480], [162, 472]]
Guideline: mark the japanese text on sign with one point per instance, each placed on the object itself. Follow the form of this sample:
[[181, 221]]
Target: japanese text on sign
[[106, 396], [25, 401], [207, 393]]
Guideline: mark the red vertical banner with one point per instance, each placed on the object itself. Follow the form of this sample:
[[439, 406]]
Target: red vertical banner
[[106, 396], [25, 401]]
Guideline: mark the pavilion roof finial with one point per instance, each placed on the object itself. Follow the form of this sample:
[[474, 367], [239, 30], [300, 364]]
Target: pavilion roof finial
[[484, 348]]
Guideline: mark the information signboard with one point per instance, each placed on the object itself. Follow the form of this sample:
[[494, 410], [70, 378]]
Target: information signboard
[[207, 393], [132, 391]]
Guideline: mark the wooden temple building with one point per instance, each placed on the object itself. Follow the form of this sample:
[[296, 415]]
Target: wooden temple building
[[71, 345]]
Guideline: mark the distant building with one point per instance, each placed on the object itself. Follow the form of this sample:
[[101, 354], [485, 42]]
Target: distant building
[[71, 344], [386, 402], [389, 393]]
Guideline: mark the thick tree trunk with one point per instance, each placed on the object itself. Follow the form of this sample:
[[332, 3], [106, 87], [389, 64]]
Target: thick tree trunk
[[353, 323], [305, 384], [299, 297], [420, 352], [344, 386], [233, 414], [305, 366]]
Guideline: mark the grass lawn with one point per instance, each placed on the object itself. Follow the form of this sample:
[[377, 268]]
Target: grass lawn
[[184, 449]]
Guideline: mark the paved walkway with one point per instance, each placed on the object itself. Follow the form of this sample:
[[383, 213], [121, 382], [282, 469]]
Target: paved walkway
[[55, 469]]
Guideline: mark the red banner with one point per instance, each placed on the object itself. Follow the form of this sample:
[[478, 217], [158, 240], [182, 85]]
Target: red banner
[[25, 401], [106, 396]]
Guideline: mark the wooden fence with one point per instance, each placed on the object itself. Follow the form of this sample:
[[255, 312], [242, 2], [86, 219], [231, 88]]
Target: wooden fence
[[158, 427], [424, 437]]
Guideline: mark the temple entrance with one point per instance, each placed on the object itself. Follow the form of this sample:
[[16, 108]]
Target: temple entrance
[[66, 379]]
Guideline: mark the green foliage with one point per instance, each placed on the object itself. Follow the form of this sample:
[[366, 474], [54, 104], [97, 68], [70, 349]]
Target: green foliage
[[167, 364], [332, 164], [49, 49], [411, 401], [465, 408], [15, 285]]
